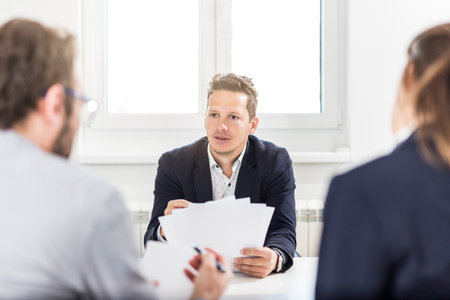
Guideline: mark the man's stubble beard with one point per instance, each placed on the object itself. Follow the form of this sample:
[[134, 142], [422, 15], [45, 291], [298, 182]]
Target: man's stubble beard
[[64, 141]]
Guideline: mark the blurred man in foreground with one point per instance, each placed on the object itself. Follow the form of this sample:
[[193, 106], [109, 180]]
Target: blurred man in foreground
[[64, 233]]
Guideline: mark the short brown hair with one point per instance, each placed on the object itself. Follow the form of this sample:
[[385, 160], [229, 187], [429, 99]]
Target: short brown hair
[[32, 58], [236, 83]]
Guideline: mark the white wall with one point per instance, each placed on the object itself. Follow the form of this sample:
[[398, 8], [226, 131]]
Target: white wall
[[377, 37], [379, 33], [58, 13]]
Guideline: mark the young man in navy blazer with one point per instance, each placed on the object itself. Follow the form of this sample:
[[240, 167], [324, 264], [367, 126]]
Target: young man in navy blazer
[[231, 161]]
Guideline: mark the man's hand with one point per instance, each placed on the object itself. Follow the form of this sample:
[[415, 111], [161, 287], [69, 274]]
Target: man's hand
[[175, 204], [209, 283], [261, 263], [171, 205]]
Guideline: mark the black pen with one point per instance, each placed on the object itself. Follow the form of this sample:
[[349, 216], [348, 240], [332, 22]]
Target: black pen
[[219, 265]]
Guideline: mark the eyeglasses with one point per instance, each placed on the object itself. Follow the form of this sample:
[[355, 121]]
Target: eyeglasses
[[90, 108]]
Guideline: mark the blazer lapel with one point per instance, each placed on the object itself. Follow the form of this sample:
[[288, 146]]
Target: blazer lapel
[[202, 175], [247, 173]]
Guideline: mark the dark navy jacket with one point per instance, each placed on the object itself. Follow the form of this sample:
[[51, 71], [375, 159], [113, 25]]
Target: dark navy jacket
[[266, 176], [387, 230]]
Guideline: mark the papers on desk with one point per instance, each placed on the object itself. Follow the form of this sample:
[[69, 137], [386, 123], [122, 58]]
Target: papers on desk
[[165, 263], [227, 225]]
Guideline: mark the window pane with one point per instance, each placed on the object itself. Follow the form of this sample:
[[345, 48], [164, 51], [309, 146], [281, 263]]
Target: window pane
[[152, 56], [277, 44]]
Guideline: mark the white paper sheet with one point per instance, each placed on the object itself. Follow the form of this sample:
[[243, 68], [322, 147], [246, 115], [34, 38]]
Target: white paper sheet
[[167, 225], [165, 263], [227, 225]]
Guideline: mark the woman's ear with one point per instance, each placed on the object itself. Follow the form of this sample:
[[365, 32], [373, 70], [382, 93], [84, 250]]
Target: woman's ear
[[402, 115], [408, 76]]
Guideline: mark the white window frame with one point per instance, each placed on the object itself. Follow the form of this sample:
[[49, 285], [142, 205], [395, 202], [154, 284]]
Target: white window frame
[[330, 116], [93, 43], [212, 61]]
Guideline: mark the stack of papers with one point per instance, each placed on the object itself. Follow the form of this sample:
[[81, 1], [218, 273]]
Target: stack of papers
[[166, 263], [227, 225]]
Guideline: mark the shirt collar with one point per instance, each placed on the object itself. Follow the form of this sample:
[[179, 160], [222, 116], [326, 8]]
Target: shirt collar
[[212, 161]]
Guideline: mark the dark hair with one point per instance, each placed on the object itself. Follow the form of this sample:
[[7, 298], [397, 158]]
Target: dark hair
[[236, 83], [430, 54], [32, 58]]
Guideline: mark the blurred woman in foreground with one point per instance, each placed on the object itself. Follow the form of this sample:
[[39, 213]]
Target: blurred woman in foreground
[[387, 223]]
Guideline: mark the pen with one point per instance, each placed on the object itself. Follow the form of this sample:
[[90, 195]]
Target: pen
[[220, 266]]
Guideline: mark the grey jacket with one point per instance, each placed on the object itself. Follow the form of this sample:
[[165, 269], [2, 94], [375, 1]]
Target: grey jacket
[[63, 234]]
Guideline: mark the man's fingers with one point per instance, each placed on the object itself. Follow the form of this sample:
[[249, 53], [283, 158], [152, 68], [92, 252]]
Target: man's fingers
[[155, 282], [250, 261], [208, 259], [161, 231], [254, 274], [179, 203], [254, 271], [196, 261], [189, 275], [254, 252], [175, 204], [260, 262]]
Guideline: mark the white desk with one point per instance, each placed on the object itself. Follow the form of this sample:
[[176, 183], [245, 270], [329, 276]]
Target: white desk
[[297, 283]]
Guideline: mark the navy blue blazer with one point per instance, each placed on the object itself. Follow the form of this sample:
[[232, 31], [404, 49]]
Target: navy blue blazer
[[387, 230], [266, 176]]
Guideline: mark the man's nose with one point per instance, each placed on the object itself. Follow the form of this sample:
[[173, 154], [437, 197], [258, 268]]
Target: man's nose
[[223, 126]]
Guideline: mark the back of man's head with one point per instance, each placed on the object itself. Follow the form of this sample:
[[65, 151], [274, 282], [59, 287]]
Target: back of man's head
[[32, 58]]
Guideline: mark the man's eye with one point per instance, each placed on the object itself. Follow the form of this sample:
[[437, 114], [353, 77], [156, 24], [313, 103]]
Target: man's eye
[[213, 115], [235, 117]]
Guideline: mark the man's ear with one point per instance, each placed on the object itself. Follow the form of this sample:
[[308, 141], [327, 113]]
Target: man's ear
[[52, 105], [254, 124]]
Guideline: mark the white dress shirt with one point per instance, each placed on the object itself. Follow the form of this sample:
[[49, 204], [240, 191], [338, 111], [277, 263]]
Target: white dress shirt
[[222, 186]]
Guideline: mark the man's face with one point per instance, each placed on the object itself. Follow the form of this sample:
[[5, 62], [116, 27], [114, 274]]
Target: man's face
[[64, 142], [227, 123]]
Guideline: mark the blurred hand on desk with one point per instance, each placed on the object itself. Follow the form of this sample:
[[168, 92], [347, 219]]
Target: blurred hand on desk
[[209, 283]]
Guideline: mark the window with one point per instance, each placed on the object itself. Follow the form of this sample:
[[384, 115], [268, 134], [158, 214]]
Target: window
[[278, 44], [149, 62], [152, 56], [155, 44], [160, 55]]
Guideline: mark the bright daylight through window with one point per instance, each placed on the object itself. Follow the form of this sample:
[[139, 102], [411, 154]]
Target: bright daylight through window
[[154, 62], [277, 43], [152, 56]]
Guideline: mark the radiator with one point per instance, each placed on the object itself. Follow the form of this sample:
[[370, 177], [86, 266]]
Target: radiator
[[309, 226]]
